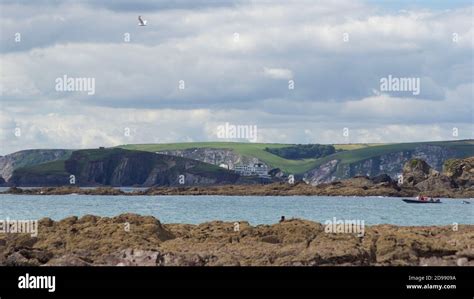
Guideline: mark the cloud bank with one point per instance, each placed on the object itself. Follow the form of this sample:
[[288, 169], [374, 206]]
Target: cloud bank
[[199, 64]]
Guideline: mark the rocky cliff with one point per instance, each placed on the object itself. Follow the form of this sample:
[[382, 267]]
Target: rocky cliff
[[214, 156], [119, 167], [134, 240], [457, 181], [26, 158], [457, 174], [390, 163]]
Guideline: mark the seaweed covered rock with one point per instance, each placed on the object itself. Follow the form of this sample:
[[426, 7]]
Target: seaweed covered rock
[[134, 240]]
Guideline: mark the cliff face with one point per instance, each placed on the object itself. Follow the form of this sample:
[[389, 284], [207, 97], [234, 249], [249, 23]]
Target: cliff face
[[456, 174], [118, 167], [390, 163], [213, 156], [25, 158], [460, 171]]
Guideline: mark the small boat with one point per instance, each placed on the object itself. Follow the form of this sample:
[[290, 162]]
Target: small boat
[[421, 201], [466, 202]]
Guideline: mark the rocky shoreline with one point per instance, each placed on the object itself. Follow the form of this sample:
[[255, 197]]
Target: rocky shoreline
[[360, 186], [456, 181], [134, 240]]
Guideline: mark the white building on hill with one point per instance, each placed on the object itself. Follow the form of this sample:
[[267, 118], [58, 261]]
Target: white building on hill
[[258, 169]]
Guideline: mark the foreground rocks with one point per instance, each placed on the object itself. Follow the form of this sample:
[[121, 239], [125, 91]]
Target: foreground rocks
[[133, 240]]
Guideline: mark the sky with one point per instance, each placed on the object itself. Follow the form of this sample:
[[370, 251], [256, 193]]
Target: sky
[[200, 64]]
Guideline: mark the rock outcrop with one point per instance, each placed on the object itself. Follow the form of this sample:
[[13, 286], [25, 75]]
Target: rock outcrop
[[437, 186], [461, 171], [119, 167], [215, 156], [133, 240], [162, 173], [390, 163], [416, 171], [457, 175], [9, 163]]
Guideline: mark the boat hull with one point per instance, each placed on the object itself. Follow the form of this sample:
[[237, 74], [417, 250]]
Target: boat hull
[[419, 201]]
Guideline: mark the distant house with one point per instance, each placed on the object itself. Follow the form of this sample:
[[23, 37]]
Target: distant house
[[101, 147], [258, 169]]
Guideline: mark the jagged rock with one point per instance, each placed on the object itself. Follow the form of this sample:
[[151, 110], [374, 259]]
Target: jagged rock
[[9, 163], [46, 222], [461, 171], [434, 183], [390, 163], [382, 178], [415, 171], [120, 167], [468, 253], [133, 257], [92, 240], [68, 260], [270, 239], [172, 259], [17, 259], [41, 256], [322, 173], [462, 261], [276, 172], [437, 261]]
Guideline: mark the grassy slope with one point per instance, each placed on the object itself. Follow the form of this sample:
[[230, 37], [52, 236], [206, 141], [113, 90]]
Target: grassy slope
[[353, 146], [53, 167], [353, 153], [58, 166], [31, 157], [463, 149], [247, 149]]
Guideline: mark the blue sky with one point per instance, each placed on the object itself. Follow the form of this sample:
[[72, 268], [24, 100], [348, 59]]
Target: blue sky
[[236, 59]]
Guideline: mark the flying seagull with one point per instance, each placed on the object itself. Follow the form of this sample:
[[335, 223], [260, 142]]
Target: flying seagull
[[141, 21]]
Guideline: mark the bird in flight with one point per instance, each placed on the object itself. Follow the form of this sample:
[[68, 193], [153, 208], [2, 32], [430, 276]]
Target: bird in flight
[[141, 22]]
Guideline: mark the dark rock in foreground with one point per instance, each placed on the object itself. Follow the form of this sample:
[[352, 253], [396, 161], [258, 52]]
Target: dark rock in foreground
[[133, 240]]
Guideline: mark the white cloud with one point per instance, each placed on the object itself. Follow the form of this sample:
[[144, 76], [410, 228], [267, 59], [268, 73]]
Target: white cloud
[[239, 81], [278, 73]]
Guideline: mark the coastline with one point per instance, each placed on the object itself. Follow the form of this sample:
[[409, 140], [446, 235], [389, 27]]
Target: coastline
[[134, 240], [352, 187]]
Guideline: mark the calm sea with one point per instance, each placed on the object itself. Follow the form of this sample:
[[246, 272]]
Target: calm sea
[[254, 209]]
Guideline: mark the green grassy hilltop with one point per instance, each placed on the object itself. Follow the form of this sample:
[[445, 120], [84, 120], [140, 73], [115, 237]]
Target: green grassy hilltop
[[348, 153], [351, 157]]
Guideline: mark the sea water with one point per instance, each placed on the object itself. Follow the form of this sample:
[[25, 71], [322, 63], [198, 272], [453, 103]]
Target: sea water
[[254, 209]]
